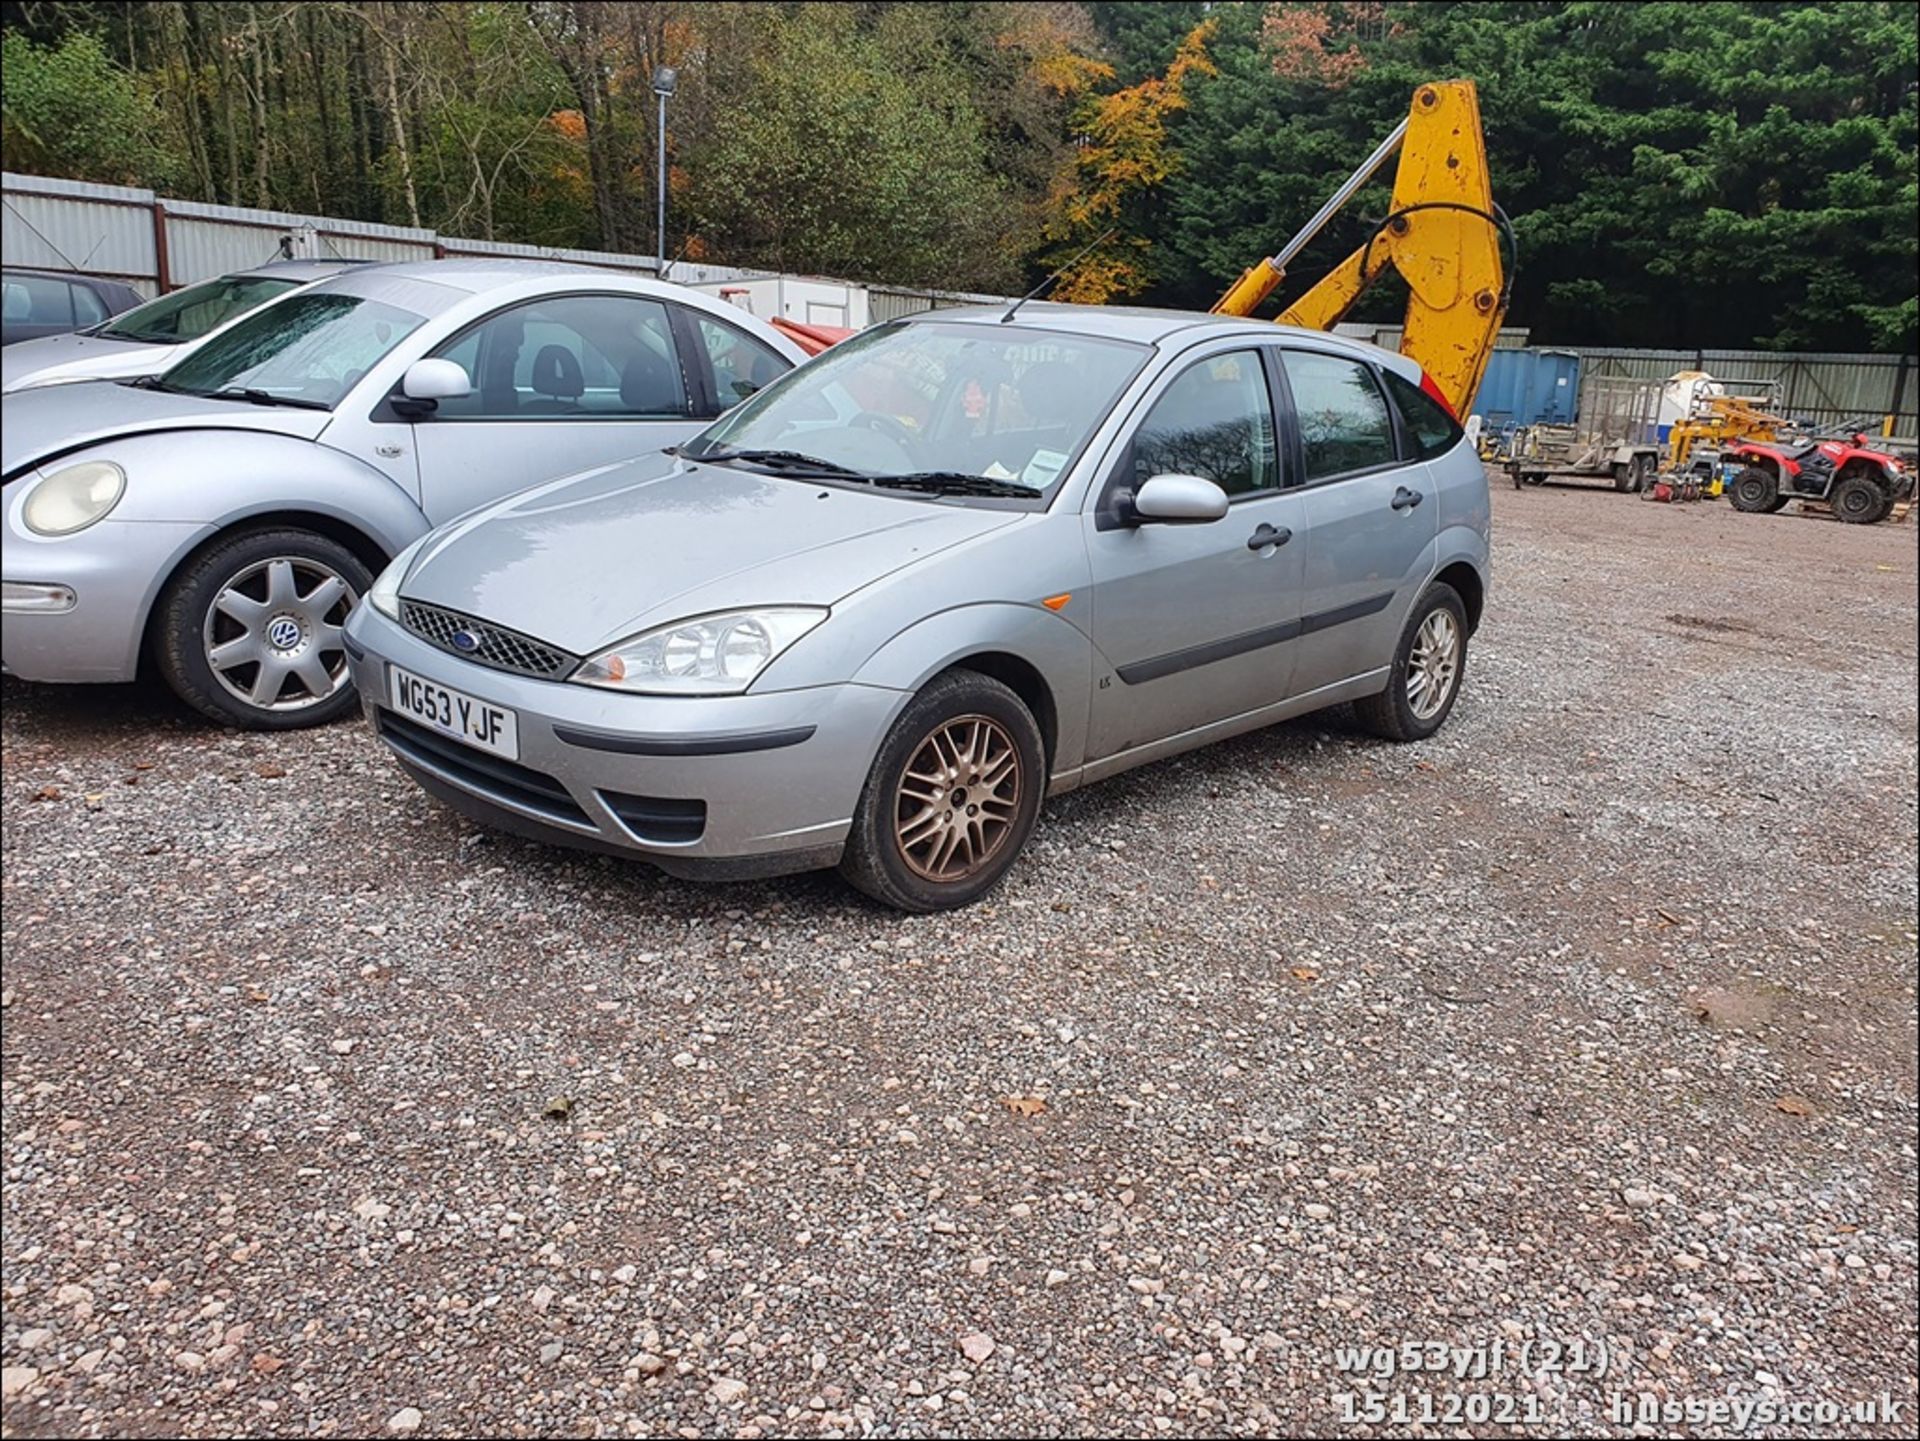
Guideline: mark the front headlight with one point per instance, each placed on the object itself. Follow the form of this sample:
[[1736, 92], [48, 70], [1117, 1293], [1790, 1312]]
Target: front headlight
[[385, 595], [74, 497], [708, 655]]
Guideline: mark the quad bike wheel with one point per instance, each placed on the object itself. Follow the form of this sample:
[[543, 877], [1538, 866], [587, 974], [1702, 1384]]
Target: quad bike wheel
[[1858, 500], [1755, 491]]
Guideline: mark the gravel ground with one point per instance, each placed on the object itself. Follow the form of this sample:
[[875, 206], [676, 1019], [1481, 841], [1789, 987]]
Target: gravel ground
[[1590, 1022]]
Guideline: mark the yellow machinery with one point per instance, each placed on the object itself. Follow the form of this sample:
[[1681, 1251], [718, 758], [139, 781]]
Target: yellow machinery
[[1717, 421], [1442, 234]]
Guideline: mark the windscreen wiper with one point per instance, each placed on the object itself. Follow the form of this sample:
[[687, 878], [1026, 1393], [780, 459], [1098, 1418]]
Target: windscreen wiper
[[954, 482], [782, 461], [264, 397]]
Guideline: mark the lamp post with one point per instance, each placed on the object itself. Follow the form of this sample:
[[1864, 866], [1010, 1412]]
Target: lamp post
[[664, 80]]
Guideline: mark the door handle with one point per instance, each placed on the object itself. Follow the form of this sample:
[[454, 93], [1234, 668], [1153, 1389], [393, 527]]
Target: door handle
[[1404, 499], [1268, 535]]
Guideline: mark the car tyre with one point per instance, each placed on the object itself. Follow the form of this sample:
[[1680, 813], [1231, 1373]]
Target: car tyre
[[258, 614], [1429, 665], [1755, 491], [1857, 500], [951, 799]]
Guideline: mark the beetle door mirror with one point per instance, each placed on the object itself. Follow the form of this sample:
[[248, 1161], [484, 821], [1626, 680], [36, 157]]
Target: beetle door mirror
[[435, 380]]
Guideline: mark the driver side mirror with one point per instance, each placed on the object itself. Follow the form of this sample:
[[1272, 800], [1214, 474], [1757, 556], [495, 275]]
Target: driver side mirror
[[427, 383], [1177, 500]]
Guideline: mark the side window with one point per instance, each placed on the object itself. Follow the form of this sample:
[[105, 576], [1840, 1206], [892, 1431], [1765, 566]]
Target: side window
[[1343, 418], [39, 300], [741, 364], [88, 308], [1215, 421], [1433, 430], [574, 357]]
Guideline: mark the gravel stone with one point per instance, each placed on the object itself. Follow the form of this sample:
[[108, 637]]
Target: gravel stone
[[1475, 1000]]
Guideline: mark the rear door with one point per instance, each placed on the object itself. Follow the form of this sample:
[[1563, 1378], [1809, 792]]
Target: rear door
[[560, 384], [1372, 512], [1195, 620]]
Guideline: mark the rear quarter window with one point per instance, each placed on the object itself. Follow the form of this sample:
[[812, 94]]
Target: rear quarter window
[[1431, 429]]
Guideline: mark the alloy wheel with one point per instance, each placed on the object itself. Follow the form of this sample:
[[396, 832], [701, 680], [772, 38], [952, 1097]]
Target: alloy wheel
[[958, 799], [272, 635], [1433, 664]]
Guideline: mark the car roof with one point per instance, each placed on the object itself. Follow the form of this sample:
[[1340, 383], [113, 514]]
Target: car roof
[[477, 273], [77, 275], [1144, 325], [300, 269]]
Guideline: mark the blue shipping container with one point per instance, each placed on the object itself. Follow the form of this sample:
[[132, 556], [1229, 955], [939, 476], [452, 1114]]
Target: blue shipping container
[[1529, 387]]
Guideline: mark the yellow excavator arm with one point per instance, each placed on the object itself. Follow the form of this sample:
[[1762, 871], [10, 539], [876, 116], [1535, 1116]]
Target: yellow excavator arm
[[1442, 234]]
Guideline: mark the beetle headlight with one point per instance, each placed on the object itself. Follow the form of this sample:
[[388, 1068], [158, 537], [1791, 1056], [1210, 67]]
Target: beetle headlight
[[74, 497], [385, 595], [708, 655]]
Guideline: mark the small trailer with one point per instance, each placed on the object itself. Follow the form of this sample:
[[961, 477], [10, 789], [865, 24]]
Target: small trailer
[[1615, 436]]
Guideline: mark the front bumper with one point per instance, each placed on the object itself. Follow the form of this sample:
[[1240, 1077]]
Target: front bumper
[[114, 569], [714, 787]]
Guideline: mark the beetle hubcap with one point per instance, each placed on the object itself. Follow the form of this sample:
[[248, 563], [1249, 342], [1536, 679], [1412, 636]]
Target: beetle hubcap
[[958, 798], [1434, 665], [272, 635]]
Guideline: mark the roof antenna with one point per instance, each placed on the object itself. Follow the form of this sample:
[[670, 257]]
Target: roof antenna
[[1098, 241]]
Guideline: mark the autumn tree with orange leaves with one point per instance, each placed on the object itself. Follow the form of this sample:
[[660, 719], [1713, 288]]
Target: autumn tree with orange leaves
[[1124, 153]]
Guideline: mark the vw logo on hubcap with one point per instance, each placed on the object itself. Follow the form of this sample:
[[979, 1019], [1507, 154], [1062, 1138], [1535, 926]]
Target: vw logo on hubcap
[[283, 632]]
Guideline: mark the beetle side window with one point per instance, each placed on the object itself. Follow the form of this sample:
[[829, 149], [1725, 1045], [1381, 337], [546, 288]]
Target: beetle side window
[[573, 357], [1433, 430], [1215, 421], [741, 364], [1344, 425]]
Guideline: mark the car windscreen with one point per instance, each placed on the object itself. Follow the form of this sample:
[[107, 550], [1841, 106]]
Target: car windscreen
[[309, 350], [190, 313], [1009, 405]]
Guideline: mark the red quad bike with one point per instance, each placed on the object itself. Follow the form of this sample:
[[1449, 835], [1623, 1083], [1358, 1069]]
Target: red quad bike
[[1860, 484]]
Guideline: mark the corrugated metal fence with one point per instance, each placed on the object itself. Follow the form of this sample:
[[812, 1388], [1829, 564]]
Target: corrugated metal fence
[[157, 244], [1827, 389]]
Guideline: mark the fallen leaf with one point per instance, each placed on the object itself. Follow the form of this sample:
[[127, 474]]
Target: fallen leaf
[[143, 765], [1024, 1105], [559, 1108], [1794, 1105], [1305, 973], [268, 771], [47, 793]]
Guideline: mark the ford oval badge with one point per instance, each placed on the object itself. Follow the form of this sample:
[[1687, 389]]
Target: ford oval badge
[[465, 640]]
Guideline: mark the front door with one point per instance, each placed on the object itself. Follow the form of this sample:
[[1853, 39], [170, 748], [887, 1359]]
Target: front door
[[1194, 622], [1374, 516], [559, 385]]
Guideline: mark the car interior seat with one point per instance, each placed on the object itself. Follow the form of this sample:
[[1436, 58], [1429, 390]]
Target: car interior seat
[[558, 380]]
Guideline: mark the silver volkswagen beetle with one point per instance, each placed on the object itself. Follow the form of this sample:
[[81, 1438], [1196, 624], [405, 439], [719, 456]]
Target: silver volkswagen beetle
[[875, 614], [219, 521]]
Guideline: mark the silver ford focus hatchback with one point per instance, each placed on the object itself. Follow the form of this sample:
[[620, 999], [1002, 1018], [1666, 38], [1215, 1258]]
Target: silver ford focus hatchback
[[875, 614]]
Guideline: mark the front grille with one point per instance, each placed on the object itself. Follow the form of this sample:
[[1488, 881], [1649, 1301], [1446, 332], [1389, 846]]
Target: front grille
[[493, 645], [490, 776], [657, 818]]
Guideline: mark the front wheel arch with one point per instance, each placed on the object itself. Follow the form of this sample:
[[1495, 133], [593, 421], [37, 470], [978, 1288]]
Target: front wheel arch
[[370, 553]]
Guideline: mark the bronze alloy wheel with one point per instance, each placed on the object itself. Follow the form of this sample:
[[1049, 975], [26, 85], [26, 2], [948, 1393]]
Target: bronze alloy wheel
[[958, 799]]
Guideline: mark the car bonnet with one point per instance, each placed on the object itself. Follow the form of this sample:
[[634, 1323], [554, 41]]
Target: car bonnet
[[43, 424], [592, 559]]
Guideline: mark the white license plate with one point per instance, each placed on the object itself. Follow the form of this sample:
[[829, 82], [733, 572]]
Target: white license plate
[[487, 727]]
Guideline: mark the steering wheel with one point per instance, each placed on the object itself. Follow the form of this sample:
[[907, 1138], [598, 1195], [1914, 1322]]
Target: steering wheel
[[890, 427]]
